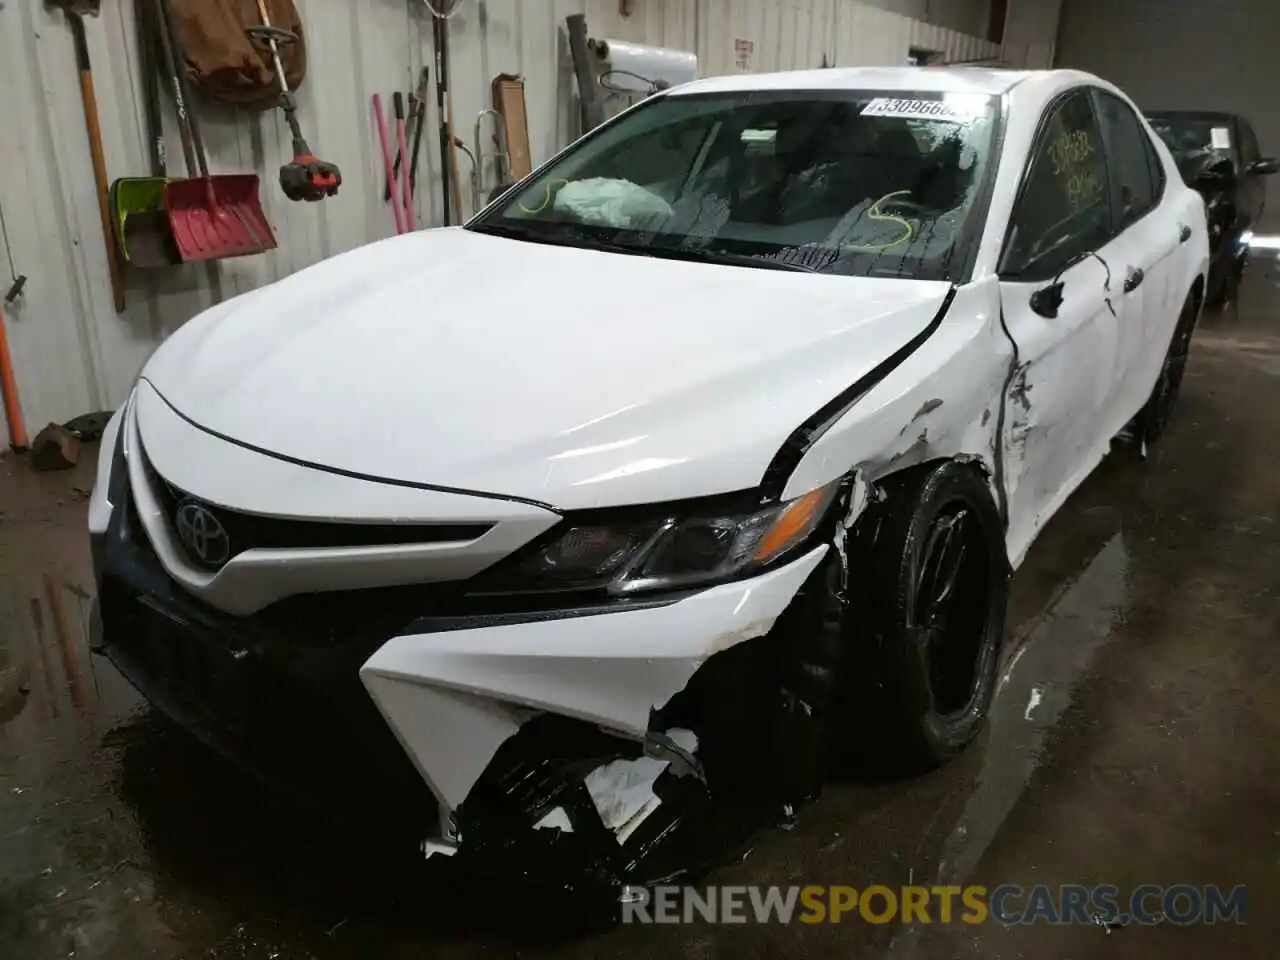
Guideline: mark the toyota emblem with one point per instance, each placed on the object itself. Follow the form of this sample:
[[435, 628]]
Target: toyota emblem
[[202, 534]]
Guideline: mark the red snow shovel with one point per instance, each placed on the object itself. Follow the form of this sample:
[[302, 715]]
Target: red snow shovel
[[212, 217]]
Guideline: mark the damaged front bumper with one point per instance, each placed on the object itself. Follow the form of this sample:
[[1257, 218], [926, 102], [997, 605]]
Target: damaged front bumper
[[575, 746], [556, 731]]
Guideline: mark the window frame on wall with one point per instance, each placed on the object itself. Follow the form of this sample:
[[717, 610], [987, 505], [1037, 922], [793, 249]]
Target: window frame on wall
[[1039, 269]]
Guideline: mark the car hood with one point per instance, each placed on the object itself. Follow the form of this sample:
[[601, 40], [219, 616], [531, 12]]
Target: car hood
[[576, 378]]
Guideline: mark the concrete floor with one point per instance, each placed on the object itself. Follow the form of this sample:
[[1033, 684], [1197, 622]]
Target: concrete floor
[[1136, 738]]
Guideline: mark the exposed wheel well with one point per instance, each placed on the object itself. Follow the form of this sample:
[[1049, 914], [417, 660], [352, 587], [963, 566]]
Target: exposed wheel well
[[972, 463]]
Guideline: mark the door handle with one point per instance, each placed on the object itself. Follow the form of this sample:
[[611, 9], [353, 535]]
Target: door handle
[[1184, 234], [1134, 280]]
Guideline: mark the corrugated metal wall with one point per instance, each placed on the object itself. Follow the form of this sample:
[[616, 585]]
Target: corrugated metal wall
[[73, 353], [1031, 33]]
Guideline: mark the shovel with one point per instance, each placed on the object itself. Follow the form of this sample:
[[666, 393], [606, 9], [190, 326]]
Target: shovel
[[75, 10], [211, 217], [139, 219]]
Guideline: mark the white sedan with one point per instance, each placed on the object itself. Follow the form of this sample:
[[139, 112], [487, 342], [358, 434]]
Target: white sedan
[[701, 456]]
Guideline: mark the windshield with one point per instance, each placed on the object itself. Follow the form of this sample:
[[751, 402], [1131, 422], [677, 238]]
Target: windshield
[[1191, 137], [845, 182]]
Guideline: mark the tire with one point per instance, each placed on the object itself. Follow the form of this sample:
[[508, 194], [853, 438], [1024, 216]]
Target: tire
[[1155, 414], [932, 586], [1227, 288]]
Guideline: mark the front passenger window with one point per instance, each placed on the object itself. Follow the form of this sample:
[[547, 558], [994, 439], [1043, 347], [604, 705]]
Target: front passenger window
[[1063, 210]]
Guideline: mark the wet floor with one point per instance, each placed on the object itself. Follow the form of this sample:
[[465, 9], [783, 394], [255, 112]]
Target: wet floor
[[1135, 739]]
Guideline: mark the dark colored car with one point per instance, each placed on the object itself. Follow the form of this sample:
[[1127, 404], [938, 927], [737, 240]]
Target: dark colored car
[[1218, 155]]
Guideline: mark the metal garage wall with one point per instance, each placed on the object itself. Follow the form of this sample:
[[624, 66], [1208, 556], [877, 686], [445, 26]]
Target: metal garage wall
[[964, 16], [73, 353], [1209, 56], [1030, 33], [758, 36], [867, 35]]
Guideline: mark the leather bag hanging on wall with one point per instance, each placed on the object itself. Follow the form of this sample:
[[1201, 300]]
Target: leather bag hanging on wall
[[227, 66]]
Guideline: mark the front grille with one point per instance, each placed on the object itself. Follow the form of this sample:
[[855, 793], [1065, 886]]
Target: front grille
[[246, 531]]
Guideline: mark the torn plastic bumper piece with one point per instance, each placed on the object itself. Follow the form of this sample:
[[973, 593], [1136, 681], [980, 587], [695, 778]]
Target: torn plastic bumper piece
[[568, 807], [519, 727]]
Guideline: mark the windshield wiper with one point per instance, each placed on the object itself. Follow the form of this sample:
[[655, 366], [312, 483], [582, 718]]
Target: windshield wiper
[[563, 235], [566, 236], [704, 255]]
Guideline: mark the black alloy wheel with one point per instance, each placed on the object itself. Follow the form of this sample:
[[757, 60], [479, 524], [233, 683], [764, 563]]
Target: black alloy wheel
[[929, 585]]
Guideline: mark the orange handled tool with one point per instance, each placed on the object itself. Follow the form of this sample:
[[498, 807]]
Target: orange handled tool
[[8, 383]]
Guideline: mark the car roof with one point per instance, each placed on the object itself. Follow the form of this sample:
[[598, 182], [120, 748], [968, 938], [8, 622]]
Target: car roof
[[982, 80]]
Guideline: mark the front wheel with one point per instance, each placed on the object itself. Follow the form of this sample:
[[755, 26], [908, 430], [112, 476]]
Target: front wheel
[[931, 586]]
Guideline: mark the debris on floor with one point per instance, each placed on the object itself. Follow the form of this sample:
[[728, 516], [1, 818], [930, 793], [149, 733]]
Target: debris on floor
[[55, 448]]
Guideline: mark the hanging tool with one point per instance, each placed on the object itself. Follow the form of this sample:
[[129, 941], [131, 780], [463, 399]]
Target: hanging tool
[[500, 156], [8, 382], [417, 119], [211, 217], [455, 178], [384, 139], [305, 177], [417, 130], [75, 10], [402, 155], [448, 159], [139, 220]]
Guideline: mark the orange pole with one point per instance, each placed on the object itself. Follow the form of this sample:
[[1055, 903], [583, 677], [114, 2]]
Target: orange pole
[[9, 390]]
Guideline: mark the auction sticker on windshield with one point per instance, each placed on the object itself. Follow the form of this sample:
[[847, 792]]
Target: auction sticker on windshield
[[952, 109]]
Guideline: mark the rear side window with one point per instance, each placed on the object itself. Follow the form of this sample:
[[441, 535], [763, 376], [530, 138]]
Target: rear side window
[[1135, 166], [1063, 210]]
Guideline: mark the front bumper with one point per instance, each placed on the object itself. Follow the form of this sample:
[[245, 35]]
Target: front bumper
[[454, 697], [451, 692], [297, 719]]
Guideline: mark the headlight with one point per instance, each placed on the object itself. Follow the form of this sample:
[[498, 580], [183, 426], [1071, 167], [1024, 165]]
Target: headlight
[[666, 552]]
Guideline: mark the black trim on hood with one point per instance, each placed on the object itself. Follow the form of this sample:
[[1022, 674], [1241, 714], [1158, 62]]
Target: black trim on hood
[[391, 481], [806, 435]]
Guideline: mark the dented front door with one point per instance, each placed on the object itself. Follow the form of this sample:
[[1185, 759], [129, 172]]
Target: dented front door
[[1057, 397], [1059, 304]]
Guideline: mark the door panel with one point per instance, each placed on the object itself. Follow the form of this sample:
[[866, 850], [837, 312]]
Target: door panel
[[1142, 257], [1057, 396], [1059, 240]]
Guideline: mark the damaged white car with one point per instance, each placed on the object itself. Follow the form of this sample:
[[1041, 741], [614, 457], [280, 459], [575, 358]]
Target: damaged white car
[[590, 532]]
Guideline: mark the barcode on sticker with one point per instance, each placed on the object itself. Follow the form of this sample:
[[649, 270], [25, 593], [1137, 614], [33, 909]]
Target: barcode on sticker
[[954, 110]]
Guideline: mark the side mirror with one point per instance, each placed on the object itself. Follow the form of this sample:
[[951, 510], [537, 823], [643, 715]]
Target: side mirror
[[1265, 167], [1047, 301]]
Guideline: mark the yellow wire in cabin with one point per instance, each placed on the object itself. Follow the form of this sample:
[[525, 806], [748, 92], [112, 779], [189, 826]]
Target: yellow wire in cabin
[[546, 200], [873, 213]]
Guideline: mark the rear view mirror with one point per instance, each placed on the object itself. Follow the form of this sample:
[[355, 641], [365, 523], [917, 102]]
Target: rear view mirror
[[1265, 167]]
